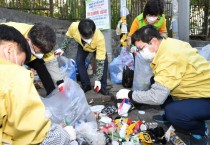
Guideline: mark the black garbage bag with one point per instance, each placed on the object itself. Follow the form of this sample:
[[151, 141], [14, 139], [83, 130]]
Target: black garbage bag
[[127, 79]]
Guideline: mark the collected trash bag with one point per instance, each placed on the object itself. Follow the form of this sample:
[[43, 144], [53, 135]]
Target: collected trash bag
[[70, 106], [142, 74], [88, 134], [127, 79], [116, 66], [67, 67]]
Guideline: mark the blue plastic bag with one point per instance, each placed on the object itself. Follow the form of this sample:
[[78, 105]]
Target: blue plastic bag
[[68, 67], [205, 52], [116, 66]]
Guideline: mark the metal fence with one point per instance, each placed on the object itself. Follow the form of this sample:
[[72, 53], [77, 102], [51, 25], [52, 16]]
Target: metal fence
[[199, 22], [62, 9], [74, 10]]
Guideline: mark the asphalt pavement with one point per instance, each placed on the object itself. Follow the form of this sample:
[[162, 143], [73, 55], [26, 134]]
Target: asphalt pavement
[[94, 98]]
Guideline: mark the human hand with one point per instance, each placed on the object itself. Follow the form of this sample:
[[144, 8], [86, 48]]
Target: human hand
[[71, 131], [97, 84], [122, 94], [133, 49], [59, 52]]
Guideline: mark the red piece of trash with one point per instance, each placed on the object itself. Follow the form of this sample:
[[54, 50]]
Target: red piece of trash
[[97, 89], [60, 89]]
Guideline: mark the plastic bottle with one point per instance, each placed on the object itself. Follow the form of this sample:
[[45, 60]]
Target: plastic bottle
[[65, 122], [175, 140]]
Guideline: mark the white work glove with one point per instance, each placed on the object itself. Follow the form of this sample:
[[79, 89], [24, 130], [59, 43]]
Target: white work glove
[[71, 131], [122, 94], [133, 49], [97, 84], [59, 52]]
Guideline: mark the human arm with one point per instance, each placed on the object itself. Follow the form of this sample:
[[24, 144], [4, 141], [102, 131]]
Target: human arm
[[163, 29], [69, 34], [44, 75], [101, 57], [63, 47], [54, 71], [99, 73], [154, 96], [134, 27]]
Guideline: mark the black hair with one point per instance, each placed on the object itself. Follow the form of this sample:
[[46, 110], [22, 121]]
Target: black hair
[[8, 33], [145, 34], [43, 37], [153, 7], [87, 28]]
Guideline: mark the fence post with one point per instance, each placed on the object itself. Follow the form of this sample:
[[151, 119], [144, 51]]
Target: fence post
[[183, 19], [51, 8], [206, 19]]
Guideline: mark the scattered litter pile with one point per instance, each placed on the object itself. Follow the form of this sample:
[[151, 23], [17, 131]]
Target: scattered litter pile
[[125, 131]]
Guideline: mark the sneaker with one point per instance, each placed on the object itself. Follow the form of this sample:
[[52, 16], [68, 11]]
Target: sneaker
[[198, 140], [207, 129], [160, 119]]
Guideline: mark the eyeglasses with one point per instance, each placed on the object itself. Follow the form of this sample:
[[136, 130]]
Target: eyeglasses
[[141, 48]]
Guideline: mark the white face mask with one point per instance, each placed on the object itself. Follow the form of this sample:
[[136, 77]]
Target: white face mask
[[38, 55], [88, 40], [147, 55], [150, 19]]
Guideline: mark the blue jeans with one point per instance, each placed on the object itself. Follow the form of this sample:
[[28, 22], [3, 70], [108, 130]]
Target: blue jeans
[[84, 78], [188, 114]]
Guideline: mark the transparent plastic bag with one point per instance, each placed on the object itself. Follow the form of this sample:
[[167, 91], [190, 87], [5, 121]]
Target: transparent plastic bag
[[142, 74], [70, 106], [67, 67], [116, 66], [205, 52], [88, 134]]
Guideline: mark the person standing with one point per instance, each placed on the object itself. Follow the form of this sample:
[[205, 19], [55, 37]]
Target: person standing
[[90, 40]]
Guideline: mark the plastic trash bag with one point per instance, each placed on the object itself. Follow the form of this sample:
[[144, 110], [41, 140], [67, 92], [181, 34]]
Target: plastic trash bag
[[88, 134], [67, 67], [205, 52], [127, 79], [70, 106], [142, 74], [125, 58]]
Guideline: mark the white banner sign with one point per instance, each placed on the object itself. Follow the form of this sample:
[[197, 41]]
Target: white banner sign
[[98, 11]]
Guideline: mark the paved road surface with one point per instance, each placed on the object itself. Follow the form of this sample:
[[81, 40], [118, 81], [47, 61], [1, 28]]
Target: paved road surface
[[109, 100]]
